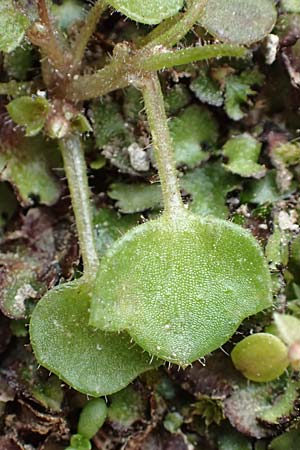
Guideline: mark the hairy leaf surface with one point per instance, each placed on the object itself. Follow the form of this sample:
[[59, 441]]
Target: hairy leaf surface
[[148, 11], [181, 289], [91, 361]]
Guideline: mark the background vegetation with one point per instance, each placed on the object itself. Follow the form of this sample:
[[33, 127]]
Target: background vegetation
[[234, 123]]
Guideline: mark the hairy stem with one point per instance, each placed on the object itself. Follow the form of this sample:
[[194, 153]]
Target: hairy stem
[[16, 88], [45, 36], [110, 78], [176, 32], [76, 173], [86, 32], [165, 60], [164, 155], [120, 74]]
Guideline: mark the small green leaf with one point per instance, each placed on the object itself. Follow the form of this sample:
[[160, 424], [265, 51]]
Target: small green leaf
[[238, 89], [288, 328], [263, 191], [260, 357], [239, 21], [98, 163], [29, 112], [13, 25], [19, 62], [147, 11], [93, 362], [210, 409], [126, 407], [49, 393], [277, 250], [192, 131], [287, 154], [92, 417], [110, 226], [181, 288], [207, 90], [29, 167], [80, 124], [133, 198], [176, 98], [208, 187], [173, 422], [242, 152], [108, 121], [79, 442], [284, 406]]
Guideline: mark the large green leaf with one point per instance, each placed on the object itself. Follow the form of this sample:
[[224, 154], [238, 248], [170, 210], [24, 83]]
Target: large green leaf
[[148, 11], [91, 361], [239, 21], [13, 25], [181, 288]]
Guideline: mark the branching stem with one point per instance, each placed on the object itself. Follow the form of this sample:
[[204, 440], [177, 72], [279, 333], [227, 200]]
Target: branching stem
[[86, 32], [164, 155], [166, 59], [120, 73], [76, 173]]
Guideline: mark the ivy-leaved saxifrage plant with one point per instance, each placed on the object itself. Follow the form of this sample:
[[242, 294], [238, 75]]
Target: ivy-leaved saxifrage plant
[[177, 287]]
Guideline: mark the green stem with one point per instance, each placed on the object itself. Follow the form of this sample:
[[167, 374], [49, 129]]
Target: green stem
[[86, 32], [121, 73], [76, 173], [112, 77], [43, 34], [164, 155], [159, 31], [176, 32], [164, 60]]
